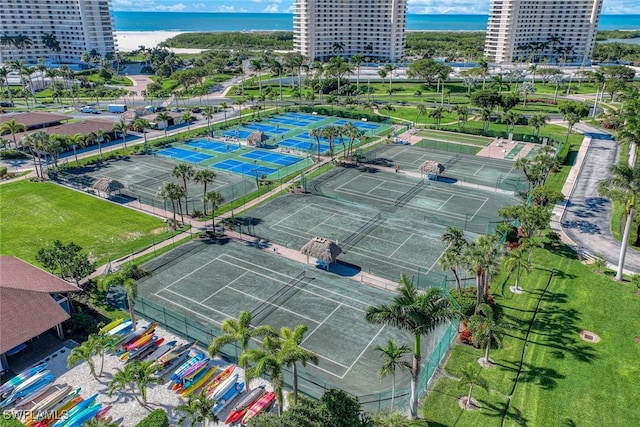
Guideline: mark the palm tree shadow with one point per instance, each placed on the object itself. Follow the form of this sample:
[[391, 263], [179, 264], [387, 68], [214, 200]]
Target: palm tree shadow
[[513, 414]]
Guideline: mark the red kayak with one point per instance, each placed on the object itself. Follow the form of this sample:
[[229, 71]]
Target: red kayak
[[258, 406], [241, 408]]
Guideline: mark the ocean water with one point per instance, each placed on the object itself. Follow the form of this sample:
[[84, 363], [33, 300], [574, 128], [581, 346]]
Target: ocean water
[[213, 22]]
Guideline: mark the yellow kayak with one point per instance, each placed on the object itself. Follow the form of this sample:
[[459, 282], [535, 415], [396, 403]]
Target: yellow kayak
[[109, 326], [193, 387]]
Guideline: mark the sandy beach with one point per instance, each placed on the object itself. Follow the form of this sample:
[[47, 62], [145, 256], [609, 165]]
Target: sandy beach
[[131, 40]]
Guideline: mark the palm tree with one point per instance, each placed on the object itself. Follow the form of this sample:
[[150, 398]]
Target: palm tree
[[292, 353], [471, 377], [256, 64], [623, 186], [357, 61], [268, 360], [33, 143], [317, 134], [137, 374], [163, 116], [83, 353], [486, 328], [421, 109], [205, 177], [451, 260], [51, 42], [482, 258], [122, 128], [418, 313], [12, 127], [239, 331], [536, 121], [4, 73], [100, 137], [184, 172], [198, 408], [101, 344], [214, 199], [437, 114], [208, 113], [172, 192], [144, 125], [512, 118], [127, 278], [526, 88], [392, 355], [188, 118], [517, 260], [463, 115]]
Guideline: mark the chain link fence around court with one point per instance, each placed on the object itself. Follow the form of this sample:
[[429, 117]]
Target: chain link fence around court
[[308, 384]]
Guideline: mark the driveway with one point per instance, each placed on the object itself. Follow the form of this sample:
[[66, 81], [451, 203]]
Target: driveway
[[587, 215]]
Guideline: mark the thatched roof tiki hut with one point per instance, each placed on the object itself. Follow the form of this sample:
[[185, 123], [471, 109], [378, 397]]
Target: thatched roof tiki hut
[[107, 185], [431, 168], [257, 138], [322, 249]]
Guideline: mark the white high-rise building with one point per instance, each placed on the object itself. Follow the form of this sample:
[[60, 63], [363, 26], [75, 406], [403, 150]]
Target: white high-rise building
[[556, 31], [372, 28], [79, 26]]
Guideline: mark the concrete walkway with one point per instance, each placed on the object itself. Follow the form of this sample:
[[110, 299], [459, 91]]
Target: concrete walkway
[[583, 220]]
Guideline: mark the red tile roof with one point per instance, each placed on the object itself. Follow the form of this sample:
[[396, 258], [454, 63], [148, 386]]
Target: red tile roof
[[34, 120], [27, 308]]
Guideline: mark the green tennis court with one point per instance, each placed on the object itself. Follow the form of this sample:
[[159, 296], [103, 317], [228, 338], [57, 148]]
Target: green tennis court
[[142, 176], [386, 223], [494, 174], [208, 283]]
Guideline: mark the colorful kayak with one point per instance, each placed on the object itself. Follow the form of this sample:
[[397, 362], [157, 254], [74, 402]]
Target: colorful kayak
[[224, 386], [58, 412], [36, 392], [141, 339], [21, 377], [27, 383], [121, 328], [184, 383], [164, 370], [177, 375], [145, 348], [132, 336], [228, 397], [164, 348], [142, 344], [86, 415], [214, 383], [176, 352], [58, 396], [109, 326], [241, 408], [259, 405], [199, 382], [30, 392], [76, 410], [45, 409]]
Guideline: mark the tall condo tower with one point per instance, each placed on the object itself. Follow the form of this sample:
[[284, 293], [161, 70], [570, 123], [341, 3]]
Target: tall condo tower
[[372, 28], [78, 26], [556, 31]]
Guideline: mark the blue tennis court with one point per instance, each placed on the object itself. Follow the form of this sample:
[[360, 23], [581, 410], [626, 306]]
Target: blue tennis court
[[303, 116], [359, 125], [289, 122], [303, 145], [275, 158], [186, 155], [237, 133], [267, 128], [220, 147], [244, 168], [315, 139]]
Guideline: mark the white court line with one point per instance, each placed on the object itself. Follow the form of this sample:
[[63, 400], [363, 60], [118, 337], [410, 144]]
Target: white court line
[[376, 187], [446, 201], [322, 323], [347, 182], [478, 210], [310, 292], [324, 221], [363, 350], [226, 286], [190, 273], [478, 170], [274, 305], [193, 311], [292, 214], [401, 245]]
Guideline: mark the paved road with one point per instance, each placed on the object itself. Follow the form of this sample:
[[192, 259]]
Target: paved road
[[587, 216]]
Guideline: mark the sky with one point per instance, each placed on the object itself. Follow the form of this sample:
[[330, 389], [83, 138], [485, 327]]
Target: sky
[[286, 6]]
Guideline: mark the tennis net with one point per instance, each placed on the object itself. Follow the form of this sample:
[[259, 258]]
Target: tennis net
[[404, 199], [452, 161], [275, 300], [361, 232]]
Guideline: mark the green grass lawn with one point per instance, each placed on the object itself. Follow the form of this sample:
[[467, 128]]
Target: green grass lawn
[[562, 379], [35, 214]]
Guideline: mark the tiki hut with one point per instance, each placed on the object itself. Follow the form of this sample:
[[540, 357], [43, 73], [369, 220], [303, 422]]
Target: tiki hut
[[107, 185], [322, 249], [257, 138], [431, 168]]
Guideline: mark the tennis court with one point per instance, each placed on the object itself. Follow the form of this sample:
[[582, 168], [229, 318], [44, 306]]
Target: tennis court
[[266, 156], [142, 176], [297, 144], [386, 223], [484, 171], [220, 147], [210, 283], [244, 168], [237, 133], [184, 155], [267, 128]]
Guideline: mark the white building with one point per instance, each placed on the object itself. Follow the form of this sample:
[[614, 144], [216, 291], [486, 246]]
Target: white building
[[79, 26], [556, 31], [372, 28]]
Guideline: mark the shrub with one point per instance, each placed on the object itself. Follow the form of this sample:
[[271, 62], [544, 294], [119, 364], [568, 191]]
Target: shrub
[[12, 153], [196, 213], [80, 322], [157, 418], [467, 300], [3, 171]]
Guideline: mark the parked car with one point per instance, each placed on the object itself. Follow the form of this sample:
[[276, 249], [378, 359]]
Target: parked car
[[89, 109], [195, 110], [6, 104]]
